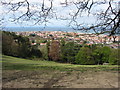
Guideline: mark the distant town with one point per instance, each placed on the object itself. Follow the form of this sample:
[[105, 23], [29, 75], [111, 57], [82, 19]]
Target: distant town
[[79, 38]]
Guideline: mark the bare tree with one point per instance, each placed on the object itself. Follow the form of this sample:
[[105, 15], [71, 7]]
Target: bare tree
[[54, 50], [42, 12], [27, 11], [109, 19]]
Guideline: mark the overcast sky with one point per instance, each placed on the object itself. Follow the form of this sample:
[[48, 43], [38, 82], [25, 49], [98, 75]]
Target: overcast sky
[[61, 11]]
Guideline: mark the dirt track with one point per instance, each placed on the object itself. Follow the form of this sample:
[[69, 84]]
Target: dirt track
[[57, 79]]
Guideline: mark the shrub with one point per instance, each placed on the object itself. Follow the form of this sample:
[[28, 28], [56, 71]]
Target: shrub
[[114, 58], [69, 51], [101, 54], [84, 56]]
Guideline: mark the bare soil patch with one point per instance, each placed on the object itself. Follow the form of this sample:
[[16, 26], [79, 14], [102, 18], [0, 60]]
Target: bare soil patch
[[59, 79]]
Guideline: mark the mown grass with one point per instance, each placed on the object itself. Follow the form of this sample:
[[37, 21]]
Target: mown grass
[[13, 63]]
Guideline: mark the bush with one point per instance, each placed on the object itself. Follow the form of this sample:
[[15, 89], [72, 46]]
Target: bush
[[114, 58], [69, 51], [84, 57], [44, 51], [101, 54], [35, 52], [106, 52], [97, 55]]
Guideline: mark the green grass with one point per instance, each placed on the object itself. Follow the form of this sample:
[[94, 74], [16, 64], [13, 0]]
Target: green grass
[[13, 63]]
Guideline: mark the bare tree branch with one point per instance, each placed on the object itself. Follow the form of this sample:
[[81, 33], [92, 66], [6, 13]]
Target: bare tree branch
[[109, 18]]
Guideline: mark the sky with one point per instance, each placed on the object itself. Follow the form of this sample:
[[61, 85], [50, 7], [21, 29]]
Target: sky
[[60, 10]]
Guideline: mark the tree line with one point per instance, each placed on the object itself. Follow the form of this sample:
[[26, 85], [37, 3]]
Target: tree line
[[71, 52], [59, 51], [18, 46]]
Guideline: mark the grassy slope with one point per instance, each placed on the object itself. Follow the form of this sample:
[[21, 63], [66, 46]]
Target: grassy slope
[[12, 63]]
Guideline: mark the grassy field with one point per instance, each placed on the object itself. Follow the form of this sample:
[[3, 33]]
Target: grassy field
[[12, 63], [24, 73]]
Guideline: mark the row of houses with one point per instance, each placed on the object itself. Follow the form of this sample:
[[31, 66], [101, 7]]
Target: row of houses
[[72, 36]]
